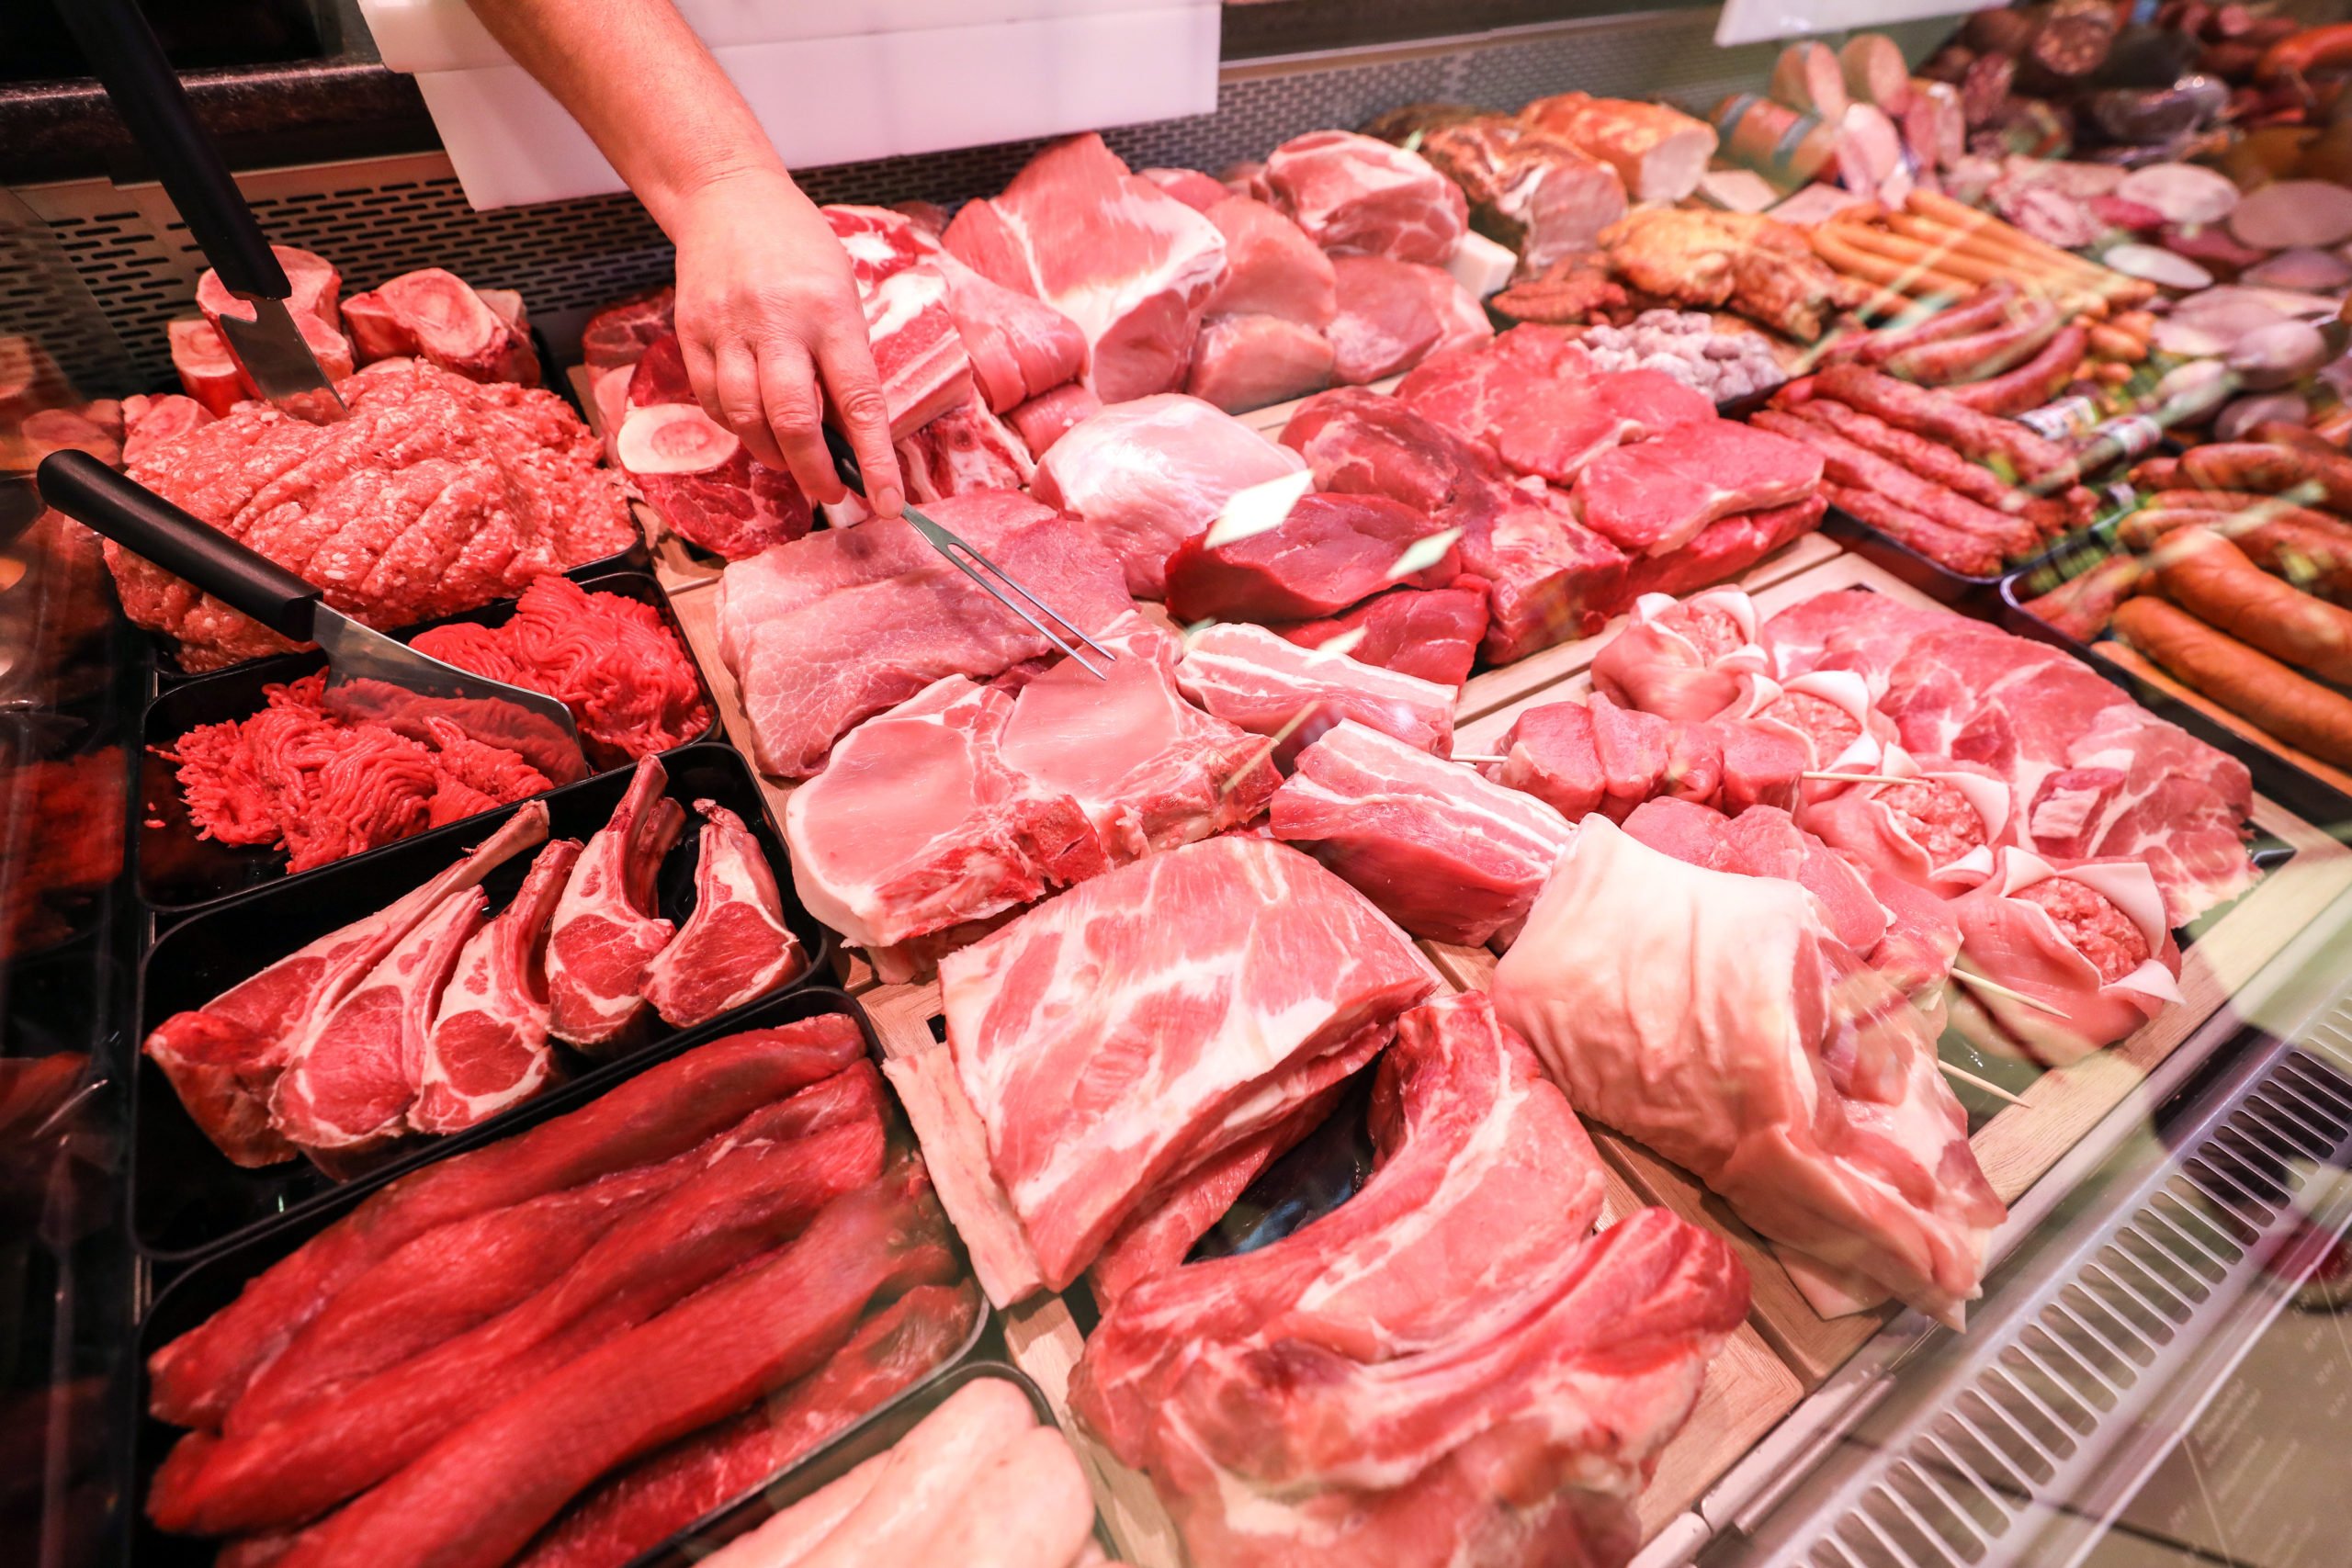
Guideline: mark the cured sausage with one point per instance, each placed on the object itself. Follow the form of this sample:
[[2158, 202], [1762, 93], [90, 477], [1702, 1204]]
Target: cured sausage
[[1981, 354], [2259, 466], [1924, 411], [2050, 515], [2253, 686], [1986, 309], [1856, 467], [2213, 579], [2081, 606], [1965, 553], [2032, 384]]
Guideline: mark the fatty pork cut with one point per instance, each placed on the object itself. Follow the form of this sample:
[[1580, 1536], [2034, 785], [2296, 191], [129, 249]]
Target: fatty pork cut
[[436, 495], [1145, 1022], [1349, 1393], [1776, 1068]]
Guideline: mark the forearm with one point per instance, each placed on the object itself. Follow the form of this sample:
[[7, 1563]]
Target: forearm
[[644, 88]]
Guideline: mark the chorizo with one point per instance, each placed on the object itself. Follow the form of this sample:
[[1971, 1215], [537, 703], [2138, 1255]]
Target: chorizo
[[2211, 578], [1988, 308], [1858, 468], [2255, 686], [1979, 354], [2272, 471], [2081, 606], [2049, 515], [2032, 384]]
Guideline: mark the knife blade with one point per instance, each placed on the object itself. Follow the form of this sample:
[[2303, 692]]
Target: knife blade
[[146, 92], [370, 677]]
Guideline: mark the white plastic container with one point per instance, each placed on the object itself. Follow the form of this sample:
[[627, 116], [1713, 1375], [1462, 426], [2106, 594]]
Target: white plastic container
[[832, 81]]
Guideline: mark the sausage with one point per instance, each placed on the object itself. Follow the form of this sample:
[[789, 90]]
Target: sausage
[[2081, 606], [1858, 469], [1988, 308], [2306, 52], [2041, 464], [2213, 579], [2236, 500], [2049, 515], [1964, 553], [2144, 528], [1978, 354], [2034, 383], [2157, 473], [2253, 686], [2281, 433], [2257, 465]]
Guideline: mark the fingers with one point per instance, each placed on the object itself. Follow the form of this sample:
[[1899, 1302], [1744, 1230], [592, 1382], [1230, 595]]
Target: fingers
[[856, 392], [796, 407], [736, 380]]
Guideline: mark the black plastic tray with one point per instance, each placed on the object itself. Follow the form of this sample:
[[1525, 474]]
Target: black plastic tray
[[2314, 800], [186, 1198], [878, 1430], [636, 558], [1924, 572], [180, 872], [212, 1284]]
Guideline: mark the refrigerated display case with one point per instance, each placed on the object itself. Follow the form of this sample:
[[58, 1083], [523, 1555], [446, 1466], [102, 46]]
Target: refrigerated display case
[[2004, 970]]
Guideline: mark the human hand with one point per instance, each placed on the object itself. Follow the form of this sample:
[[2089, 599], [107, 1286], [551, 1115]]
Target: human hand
[[769, 319]]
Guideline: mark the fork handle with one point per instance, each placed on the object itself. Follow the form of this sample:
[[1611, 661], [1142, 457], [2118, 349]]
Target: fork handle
[[845, 460]]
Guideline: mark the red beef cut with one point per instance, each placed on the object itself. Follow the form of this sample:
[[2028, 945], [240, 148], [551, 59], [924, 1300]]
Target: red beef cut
[[696, 472], [436, 495], [735, 947], [1330, 552], [434, 315], [606, 930], [196, 1378], [1429, 632], [665, 1491], [481, 1493]]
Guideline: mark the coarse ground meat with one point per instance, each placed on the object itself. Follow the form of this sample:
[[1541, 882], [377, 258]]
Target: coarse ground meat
[[1939, 817], [436, 495], [1832, 728], [1710, 628], [293, 775], [2089, 920], [606, 657]]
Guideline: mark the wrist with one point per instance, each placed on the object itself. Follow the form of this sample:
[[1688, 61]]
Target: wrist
[[724, 189]]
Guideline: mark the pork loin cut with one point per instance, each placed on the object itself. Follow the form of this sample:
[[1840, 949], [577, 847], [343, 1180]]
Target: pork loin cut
[[1387, 319], [1196, 190], [1721, 551], [605, 931], [1534, 398], [919, 823], [1653, 497], [434, 315], [487, 1046], [1431, 633], [1021, 347], [1328, 552], [1356, 196], [1131, 264], [695, 472], [1193, 981], [1150, 770], [1241, 363], [1148, 475], [735, 947], [350, 1081], [1292, 694], [1042, 420], [823, 631], [1272, 268], [1444, 853]]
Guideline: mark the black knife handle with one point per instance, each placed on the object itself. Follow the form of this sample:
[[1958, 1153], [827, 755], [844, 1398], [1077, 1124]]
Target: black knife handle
[[145, 524], [844, 460], [146, 92]]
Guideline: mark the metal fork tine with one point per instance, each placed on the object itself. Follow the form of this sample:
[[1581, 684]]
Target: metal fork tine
[[947, 545]]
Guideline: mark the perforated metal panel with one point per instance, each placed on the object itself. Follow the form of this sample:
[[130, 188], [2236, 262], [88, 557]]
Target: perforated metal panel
[[383, 216]]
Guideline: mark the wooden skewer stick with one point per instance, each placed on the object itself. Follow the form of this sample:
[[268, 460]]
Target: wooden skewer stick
[[1996, 988], [1478, 757], [1995, 1090], [1860, 778]]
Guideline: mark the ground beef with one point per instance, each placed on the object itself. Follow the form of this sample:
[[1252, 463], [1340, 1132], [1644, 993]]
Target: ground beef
[[608, 657], [1713, 630], [293, 776], [1831, 728], [1939, 817], [2089, 920]]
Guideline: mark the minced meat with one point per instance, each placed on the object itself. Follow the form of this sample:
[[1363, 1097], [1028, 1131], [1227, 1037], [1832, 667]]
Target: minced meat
[[1711, 629], [2089, 920], [1831, 728], [1939, 817]]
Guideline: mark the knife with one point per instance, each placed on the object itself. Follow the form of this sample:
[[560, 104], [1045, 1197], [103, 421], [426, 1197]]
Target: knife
[[146, 91], [370, 677]]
